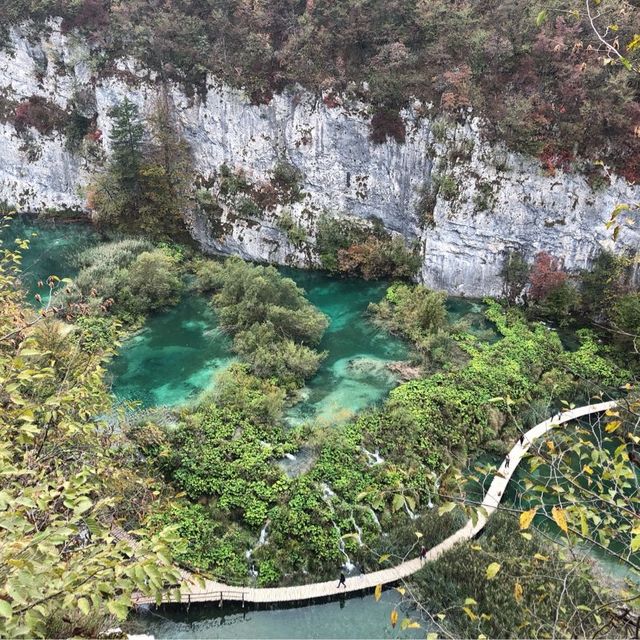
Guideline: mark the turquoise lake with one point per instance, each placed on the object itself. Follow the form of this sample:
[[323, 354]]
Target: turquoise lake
[[355, 617]]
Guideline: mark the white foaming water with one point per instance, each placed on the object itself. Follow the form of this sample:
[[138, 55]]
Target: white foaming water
[[374, 458]]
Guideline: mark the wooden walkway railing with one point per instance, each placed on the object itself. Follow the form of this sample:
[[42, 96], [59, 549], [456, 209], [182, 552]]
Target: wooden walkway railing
[[217, 592]]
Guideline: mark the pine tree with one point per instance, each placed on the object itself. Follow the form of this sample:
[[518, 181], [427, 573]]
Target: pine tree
[[126, 142]]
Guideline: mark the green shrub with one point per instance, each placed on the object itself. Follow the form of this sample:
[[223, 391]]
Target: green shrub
[[446, 186], [274, 327], [496, 611], [371, 253], [256, 399]]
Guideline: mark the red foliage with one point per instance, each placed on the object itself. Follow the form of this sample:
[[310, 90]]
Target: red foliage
[[546, 274], [553, 159], [95, 135], [261, 96], [387, 124], [39, 113], [330, 100], [457, 89]]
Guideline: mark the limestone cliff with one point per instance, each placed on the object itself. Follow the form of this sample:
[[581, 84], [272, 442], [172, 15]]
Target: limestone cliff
[[465, 201]]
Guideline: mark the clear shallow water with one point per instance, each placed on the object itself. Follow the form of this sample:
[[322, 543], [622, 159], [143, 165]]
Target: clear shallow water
[[52, 249], [179, 352], [356, 617], [354, 374], [173, 358]]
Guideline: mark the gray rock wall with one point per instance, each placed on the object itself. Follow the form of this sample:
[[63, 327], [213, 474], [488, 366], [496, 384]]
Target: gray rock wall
[[488, 201]]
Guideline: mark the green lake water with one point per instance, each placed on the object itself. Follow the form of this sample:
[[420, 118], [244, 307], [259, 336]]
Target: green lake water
[[178, 353], [355, 617], [52, 249]]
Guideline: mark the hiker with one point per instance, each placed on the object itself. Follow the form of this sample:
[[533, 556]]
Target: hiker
[[343, 581], [423, 553], [521, 440], [506, 462]]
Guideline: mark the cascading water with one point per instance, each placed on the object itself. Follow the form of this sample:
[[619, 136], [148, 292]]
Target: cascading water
[[373, 458], [374, 517], [264, 535]]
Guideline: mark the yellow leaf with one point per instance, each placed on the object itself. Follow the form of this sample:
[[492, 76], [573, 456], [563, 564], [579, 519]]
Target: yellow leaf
[[492, 570], [414, 625], [560, 518], [539, 556], [378, 592], [587, 469], [432, 636], [612, 426], [401, 590], [526, 517], [517, 592], [471, 614], [394, 618], [551, 446]]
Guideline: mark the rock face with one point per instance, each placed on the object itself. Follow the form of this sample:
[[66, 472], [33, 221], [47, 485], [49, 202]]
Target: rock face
[[465, 202]]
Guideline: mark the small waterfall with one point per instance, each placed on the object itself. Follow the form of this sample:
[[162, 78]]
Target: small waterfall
[[264, 535], [411, 514], [358, 530], [374, 458], [252, 571], [374, 517], [327, 494], [326, 491], [348, 565]]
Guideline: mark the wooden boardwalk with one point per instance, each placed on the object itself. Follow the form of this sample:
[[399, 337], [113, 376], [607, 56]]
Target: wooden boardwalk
[[217, 592]]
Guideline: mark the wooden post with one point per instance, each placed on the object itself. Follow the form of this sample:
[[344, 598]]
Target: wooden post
[[220, 599], [243, 599]]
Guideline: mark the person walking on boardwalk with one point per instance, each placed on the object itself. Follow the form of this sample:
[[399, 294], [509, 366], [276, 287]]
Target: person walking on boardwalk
[[423, 553], [343, 581], [506, 461]]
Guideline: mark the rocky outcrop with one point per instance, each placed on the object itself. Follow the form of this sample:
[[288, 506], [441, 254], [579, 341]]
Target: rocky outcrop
[[466, 202]]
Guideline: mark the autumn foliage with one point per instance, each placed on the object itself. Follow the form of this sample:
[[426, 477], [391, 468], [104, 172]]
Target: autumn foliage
[[545, 276]]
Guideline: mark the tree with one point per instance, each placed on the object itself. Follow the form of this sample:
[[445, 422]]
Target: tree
[[147, 182], [546, 274], [126, 144], [66, 484]]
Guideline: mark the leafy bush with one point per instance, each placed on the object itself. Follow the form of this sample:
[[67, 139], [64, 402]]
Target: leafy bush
[[256, 399], [446, 186], [152, 282], [40, 114], [126, 277], [350, 248], [287, 180], [523, 601], [274, 327], [626, 317], [296, 233], [387, 123]]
